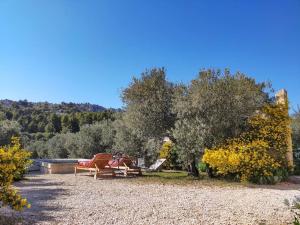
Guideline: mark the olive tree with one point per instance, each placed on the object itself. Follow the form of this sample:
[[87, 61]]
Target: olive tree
[[212, 108], [148, 114]]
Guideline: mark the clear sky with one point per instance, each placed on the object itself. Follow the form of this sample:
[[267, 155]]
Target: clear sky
[[87, 51]]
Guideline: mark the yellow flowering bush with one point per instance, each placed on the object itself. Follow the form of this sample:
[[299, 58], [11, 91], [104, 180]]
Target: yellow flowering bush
[[165, 150], [259, 155], [13, 162], [166, 153]]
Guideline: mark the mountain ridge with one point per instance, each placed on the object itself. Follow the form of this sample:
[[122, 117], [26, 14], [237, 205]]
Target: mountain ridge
[[55, 107]]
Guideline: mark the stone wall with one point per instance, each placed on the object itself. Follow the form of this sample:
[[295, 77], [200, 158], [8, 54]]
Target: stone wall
[[282, 98]]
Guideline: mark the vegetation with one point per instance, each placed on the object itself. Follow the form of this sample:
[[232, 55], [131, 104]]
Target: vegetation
[[91, 139], [296, 129], [147, 114], [295, 207], [8, 129], [212, 108], [46, 128], [259, 155], [182, 178], [296, 140], [168, 152], [216, 111], [14, 161]]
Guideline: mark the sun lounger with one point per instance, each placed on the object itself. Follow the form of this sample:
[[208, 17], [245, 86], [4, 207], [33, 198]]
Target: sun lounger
[[157, 165], [125, 166], [98, 165]]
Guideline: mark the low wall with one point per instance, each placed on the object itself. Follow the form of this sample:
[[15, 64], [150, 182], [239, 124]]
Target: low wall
[[57, 166]]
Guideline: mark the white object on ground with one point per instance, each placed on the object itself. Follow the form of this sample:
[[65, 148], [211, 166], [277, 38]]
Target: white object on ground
[[157, 164]]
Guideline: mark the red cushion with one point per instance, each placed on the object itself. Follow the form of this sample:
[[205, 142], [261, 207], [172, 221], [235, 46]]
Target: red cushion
[[85, 163], [120, 162], [113, 163]]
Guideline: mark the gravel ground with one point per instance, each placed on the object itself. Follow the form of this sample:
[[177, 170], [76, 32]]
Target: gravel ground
[[66, 199]]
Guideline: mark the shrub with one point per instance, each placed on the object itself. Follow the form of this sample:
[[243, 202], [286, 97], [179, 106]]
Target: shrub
[[21, 158], [168, 152], [246, 162], [202, 167], [259, 155], [13, 162]]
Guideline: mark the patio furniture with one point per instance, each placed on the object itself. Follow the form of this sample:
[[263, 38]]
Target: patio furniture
[[157, 165], [125, 165], [98, 164]]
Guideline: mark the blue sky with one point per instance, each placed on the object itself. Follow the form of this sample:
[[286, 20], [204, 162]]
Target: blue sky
[[87, 51]]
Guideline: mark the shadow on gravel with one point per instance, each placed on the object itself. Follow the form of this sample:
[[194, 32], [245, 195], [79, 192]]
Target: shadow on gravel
[[284, 186], [37, 183], [39, 192]]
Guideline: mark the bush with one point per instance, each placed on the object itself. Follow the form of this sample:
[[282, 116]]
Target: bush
[[202, 167], [245, 162], [21, 160], [13, 163], [168, 152], [259, 155]]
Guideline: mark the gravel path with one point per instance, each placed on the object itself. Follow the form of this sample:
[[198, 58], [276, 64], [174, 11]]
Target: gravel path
[[65, 199]]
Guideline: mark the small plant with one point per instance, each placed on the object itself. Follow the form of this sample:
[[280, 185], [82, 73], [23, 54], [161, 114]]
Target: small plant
[[202, 167], [295, 207]]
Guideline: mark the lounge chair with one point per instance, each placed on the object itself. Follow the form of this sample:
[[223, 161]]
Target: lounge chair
[[157, 165], [125, 166], [98, 164]]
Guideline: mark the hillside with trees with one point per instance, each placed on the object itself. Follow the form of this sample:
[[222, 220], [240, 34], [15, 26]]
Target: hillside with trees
[[214, 107], [38, 122]]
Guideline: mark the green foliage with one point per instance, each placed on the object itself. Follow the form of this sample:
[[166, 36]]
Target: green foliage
[[57, 146], [13, 163], [151, 150], [91, 139], [2, 116], [296, 129], [148, 115], [46, 117], [296, 140], [148, 105], [203, 114], [8, 129], [125, 140], [55, 122], [259, 155], [211, 109], [202, 167], [37, 123], [168, 152]]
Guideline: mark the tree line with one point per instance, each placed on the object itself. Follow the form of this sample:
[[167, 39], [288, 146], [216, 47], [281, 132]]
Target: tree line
[[212, 108]]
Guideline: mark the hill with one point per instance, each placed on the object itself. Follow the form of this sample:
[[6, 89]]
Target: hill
[[52, 107]]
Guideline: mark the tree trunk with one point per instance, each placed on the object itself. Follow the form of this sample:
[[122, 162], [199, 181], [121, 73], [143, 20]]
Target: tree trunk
[[193, 168], [210, 172]]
